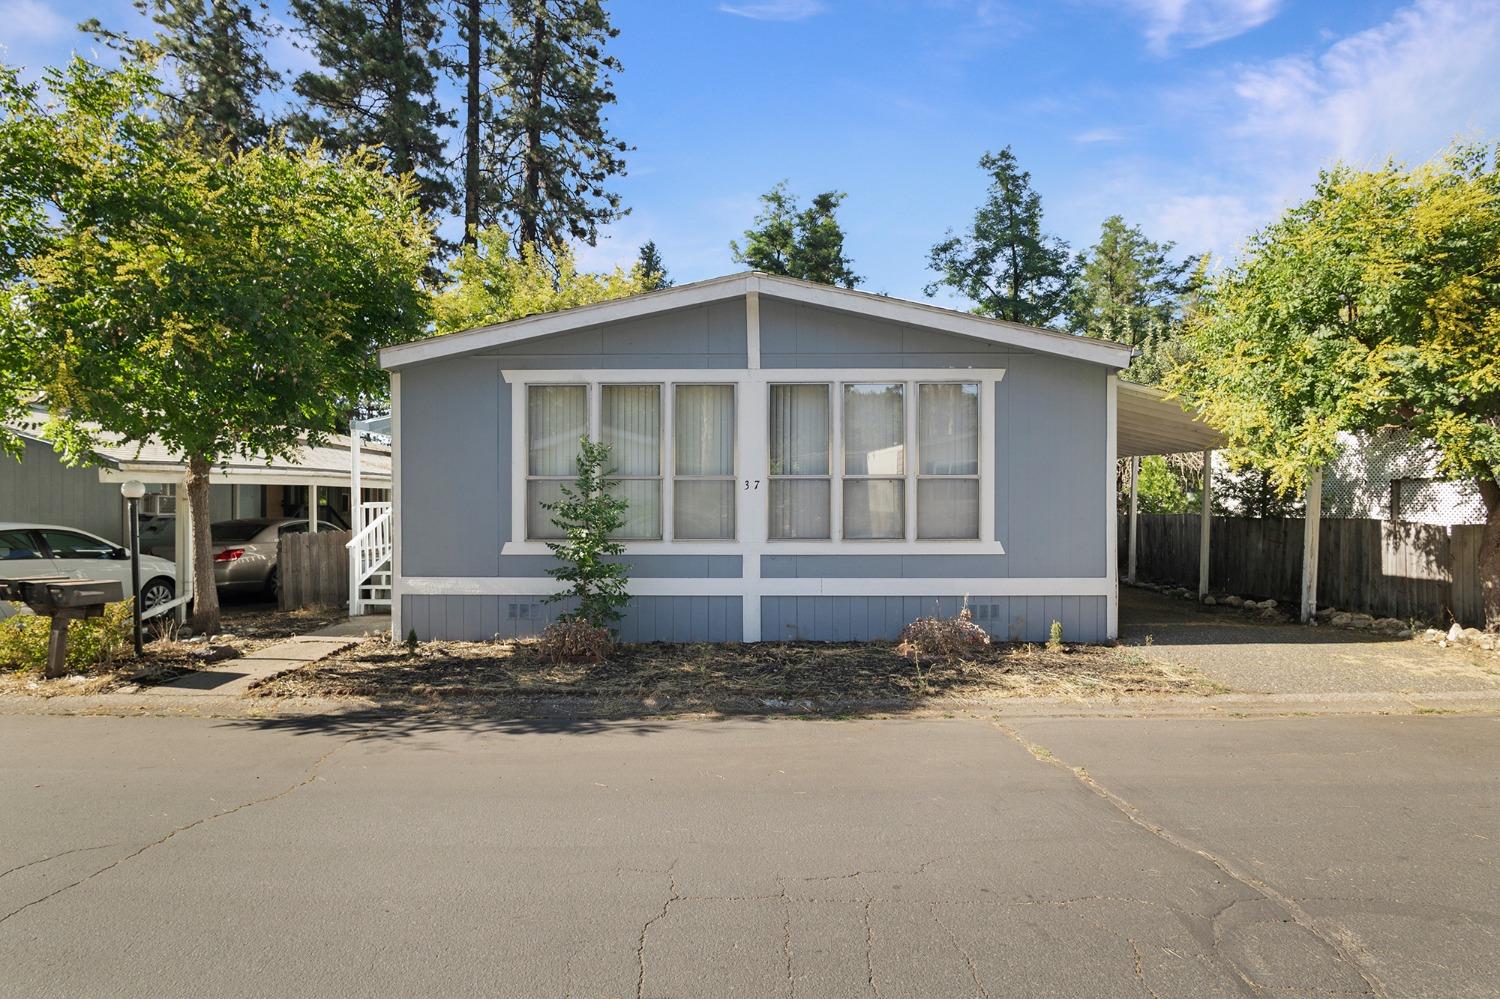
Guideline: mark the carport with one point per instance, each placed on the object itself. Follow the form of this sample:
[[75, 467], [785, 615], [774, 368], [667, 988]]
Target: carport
[[1150, 423]]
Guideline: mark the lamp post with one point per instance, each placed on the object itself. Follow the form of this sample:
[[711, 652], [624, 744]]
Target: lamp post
[[133, 491]]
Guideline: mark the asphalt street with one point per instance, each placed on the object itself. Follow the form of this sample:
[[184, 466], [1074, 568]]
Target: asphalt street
[[942, 857]]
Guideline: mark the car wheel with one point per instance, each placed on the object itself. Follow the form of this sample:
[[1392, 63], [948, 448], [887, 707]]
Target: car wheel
[[273, 584], [155, 593]]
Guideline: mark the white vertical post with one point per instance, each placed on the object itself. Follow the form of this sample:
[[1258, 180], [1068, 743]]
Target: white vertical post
[[356, 519], [395, 525], [183, 537], [1111, 507], [1135, 474], [1205, 527], [312, 509], [754, 464], [1310, 530]]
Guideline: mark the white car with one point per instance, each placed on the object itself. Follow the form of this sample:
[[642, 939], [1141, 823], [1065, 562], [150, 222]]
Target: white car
[[48, 550]]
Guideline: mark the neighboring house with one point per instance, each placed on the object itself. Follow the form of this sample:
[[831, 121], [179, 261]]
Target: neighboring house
[[801, 461], [40, 488], [1395, 476]]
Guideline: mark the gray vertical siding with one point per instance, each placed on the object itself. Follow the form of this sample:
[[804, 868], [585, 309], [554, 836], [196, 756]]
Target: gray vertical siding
[[455, 467], [41, 489], [868, 619], [647, 619]]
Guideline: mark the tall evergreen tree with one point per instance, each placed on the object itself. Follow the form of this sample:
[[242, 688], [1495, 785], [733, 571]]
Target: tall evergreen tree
[[653, 271], [1004, 263], [550, 154], [481, 31], [806, 243], [1127, 288], [215, 49], [377, 86]]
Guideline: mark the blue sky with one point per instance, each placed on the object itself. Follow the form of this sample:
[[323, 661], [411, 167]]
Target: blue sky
[[1197, 119]]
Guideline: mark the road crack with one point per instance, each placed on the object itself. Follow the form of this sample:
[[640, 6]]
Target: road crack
[[953, 939], [640, 949], [312, 775], [64, 853], [1294, 912]]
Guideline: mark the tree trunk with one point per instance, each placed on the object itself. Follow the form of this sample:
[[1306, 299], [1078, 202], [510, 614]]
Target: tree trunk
[[471, 125], [531, 182], [1489, 554], [205, 618]]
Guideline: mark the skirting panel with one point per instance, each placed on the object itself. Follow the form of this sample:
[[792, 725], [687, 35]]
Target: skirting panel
[[864, 619], [647, 619]]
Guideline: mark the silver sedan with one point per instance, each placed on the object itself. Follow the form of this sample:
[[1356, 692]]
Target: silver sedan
[[245, 551]]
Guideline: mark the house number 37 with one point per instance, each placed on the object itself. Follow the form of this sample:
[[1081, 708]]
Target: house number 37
[[749, 486]]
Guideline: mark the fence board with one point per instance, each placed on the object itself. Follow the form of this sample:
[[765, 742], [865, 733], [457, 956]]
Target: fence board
[[1389, 570], [313, 569]]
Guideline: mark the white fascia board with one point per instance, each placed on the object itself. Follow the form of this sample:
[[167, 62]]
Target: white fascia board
[[244, 476], [1106, 352]]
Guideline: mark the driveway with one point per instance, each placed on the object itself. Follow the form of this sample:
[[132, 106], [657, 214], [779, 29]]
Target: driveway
[[1251, 656], [941, 857]]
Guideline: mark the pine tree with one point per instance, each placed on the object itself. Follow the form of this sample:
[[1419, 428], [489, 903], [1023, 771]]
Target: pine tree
[[801, 243], [550, 154], [1127, 288], [1004, 262], [377, 86], [653, 272], [215, 51], [482, 34]]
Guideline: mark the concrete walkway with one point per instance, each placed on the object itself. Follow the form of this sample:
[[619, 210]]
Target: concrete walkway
[[1254, 657], [235, 676]]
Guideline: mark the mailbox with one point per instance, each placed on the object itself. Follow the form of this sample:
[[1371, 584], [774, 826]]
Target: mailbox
[[64, 600]]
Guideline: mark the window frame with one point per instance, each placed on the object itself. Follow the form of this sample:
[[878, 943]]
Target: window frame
[[906, 463], [834, 497], [751, 393], [597, 433], [590, 408]]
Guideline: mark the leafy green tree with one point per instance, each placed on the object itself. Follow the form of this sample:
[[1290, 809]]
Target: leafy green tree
[[1374, 303], [653, 272], [806, 243], [1161, 488], [550, 154], [490, 285], [215, 50], [589, 515], [221, 304], [1004, 263], [1127, 288], [377, 86]]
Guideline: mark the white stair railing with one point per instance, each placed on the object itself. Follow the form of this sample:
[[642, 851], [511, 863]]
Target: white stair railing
[[370, 556]]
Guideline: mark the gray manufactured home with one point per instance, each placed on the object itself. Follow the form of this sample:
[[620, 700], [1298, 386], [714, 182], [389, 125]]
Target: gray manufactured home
[[802, 463]]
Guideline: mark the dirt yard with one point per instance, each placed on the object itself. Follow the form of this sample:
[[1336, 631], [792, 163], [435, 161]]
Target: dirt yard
[[243, 629], [692, 678]]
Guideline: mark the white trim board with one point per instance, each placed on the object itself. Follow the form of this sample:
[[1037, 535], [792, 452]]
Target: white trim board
[[750, 587], [740, 285]]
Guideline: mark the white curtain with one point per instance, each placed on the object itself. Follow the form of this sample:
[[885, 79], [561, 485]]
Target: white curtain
[[556, 417], [799, 508], [703, 442], [875, 445], [630, 423], [948, 447]]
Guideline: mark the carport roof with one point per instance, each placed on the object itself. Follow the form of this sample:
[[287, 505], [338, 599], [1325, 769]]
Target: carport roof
[[1150, 423]]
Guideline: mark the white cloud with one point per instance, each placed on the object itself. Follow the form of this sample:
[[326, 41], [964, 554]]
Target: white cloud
[[29, 21], [1196, 23], [775, 10], [1096, 135], [1402, 89]]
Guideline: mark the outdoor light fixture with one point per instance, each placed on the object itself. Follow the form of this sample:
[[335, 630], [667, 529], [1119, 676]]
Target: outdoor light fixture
[[133, 490]]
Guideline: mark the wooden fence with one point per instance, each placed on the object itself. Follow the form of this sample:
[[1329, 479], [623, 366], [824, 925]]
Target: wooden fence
[[313, 569], [1389, 570]]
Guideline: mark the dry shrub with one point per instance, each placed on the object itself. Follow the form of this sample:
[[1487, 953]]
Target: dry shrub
[[92, 643], [574, 641], [942, 637]]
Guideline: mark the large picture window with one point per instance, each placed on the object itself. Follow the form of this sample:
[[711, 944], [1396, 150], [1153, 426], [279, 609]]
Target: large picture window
[[703, 462], [883, 460], [800, 482]]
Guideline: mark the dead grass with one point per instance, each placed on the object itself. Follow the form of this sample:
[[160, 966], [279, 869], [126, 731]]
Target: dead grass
[[244, 628], [670, 678]]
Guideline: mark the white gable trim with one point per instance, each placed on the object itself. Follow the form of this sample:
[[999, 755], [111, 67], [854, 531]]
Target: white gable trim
[[719, 289]]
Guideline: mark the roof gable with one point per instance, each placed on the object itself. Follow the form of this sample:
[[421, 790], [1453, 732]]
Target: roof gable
[[718, 289]]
